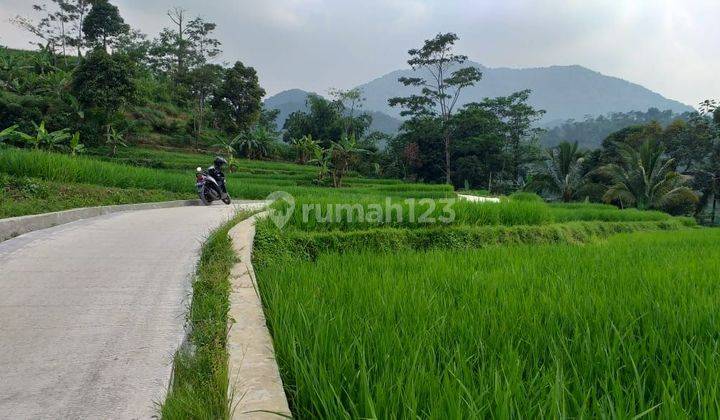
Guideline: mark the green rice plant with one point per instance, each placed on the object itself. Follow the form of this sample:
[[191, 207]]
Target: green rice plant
[[526, 196], [623, 328], [368, 209]]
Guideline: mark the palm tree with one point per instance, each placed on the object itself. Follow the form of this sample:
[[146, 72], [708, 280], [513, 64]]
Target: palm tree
[[563, 171], [645, 179]]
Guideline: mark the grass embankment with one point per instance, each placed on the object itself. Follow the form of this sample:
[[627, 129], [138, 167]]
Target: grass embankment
[[20, 196], [200, 376], [273, 245], [67, 169], [621, 328]]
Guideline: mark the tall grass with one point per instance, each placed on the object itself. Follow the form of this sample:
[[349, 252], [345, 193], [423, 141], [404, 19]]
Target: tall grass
[[352, 212], [63, 168], [622, 329], [199, 389]]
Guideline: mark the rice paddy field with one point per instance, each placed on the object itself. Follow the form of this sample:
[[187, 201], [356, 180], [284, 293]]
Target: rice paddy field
[[625, 327], [452, 310], [517, 309]]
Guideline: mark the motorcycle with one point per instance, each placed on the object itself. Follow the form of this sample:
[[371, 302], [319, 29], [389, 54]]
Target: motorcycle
[[209, 189]]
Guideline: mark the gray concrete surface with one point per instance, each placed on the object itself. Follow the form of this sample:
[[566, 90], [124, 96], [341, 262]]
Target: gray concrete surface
[[91, 312], [15, 226], [478, 199], [255, 384]]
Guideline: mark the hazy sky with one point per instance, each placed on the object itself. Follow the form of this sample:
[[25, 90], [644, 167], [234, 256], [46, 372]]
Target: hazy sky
[[670, 46]]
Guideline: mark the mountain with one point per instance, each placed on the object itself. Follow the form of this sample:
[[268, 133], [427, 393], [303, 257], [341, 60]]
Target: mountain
[[293, 100], [565, 92]]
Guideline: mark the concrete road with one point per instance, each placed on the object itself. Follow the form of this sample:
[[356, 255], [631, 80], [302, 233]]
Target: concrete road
[[91, 312]]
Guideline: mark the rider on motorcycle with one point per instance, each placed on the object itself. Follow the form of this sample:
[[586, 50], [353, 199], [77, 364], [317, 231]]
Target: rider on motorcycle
[[217, 174]]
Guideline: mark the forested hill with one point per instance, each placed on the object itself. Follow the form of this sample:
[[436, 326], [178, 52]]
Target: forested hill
[[565, 92]]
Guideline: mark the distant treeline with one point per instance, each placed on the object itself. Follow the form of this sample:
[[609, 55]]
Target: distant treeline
[[591, 132]]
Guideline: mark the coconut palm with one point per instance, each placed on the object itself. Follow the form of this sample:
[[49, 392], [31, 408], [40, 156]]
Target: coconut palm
[[563, 171], [645, 179]]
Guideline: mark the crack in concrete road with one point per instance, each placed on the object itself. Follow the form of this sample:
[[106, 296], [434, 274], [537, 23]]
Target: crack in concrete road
[[91, 312]]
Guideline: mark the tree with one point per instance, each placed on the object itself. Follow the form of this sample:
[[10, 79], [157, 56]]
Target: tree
[[53, 27], [238, 98], [324, 122], [80, 8], [348, 101], [183, 47], [178, 18], [227, 145], [439, 94], [519, 119], [103, 84], [646, 180], [8, 133], [563, 174], [113, 139], [103, 24], [204, 80], [50, 140]]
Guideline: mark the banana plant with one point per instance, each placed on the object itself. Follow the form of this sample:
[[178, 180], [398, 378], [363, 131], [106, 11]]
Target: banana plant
[[344, 154], [114, 140], [76, 147], [8, 133], [306, 148], [322, 159], [50, 140], [228, 148]]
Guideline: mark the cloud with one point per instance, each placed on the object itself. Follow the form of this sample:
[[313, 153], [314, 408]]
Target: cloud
[[666, 45]]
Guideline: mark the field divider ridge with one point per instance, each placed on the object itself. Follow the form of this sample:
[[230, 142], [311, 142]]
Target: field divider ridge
[[256, 388]]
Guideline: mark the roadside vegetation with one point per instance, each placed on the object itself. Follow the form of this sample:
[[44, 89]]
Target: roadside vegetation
[[21, 196], [199, 387]]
